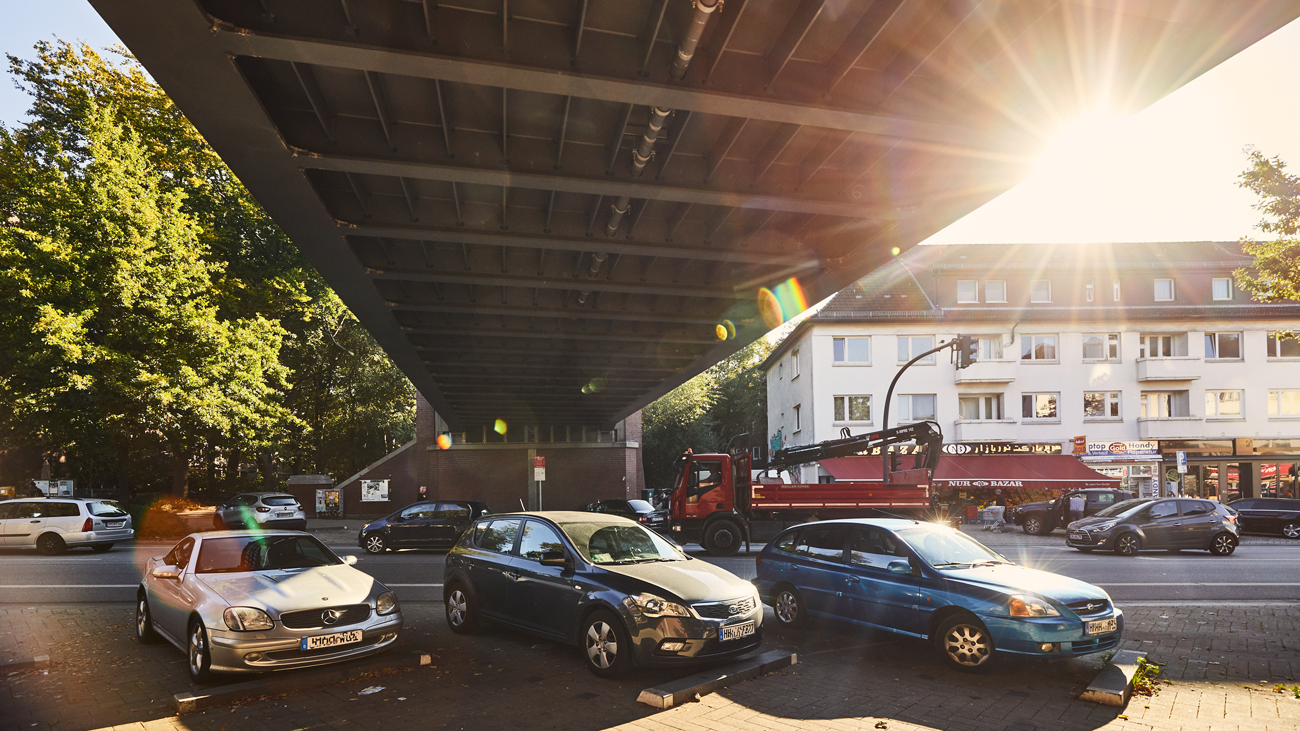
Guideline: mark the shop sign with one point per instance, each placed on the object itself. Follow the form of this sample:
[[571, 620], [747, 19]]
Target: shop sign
[[985, 448], [985, 483], [1123, 451], [1080, 445]]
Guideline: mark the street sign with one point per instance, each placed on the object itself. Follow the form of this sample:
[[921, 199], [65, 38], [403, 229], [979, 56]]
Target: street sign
[[539, 469], [1182, 462]]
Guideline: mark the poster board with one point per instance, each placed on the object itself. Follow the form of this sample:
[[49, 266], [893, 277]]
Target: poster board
[[374, 491]]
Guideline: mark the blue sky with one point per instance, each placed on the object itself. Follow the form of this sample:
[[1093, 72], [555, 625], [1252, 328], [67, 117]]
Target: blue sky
[[1167, 173]]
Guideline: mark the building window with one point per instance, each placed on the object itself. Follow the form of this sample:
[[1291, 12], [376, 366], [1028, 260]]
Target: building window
[[853, 408], [1101, 405], [1101, 347], [916, 407], [995, 290], [851, 350], [968, 290], [1114, 290], [1223, 403], [1038, 406], [1280, 347], [1284, 403], [794, 365], [1163, 346], [1222, 288], [1040, 290], [798, 421], [991, 348], [1087, 291], [911, 346], [1164, 290], [1038, 347], [980, 407], [1164, 404], [1223, 346]]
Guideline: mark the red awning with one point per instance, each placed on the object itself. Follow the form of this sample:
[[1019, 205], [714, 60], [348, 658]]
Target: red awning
[[1029, 471]]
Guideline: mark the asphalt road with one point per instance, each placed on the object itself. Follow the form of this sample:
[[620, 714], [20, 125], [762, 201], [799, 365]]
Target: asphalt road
[[1254, 573]]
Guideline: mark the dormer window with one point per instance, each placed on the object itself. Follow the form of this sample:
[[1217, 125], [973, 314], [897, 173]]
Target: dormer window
[[968, 291], [1040, 290], [1222, 288], [1164, 290]]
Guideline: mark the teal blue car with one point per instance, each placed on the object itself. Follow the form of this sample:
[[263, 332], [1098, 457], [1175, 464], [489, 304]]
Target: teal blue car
[[930, 581]]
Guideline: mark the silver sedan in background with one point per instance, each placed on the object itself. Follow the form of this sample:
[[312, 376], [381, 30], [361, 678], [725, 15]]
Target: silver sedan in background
[[253, 601]]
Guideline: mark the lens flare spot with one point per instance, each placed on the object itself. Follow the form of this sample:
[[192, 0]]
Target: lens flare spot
[[895, 251], [444, 441], [721, 332], [731, 328], [790, 294], [769, 308], [500, 426]]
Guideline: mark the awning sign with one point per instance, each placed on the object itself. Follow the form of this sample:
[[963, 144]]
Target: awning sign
[[981, 448], [1123, 451]]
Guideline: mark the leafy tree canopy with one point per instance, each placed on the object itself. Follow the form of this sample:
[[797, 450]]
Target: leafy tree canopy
[[1275, 274]]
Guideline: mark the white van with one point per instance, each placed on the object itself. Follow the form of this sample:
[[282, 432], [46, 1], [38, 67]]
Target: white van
[[53, 525]]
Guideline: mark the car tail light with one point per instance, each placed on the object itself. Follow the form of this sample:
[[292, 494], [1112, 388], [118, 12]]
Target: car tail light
[[263, 510], [758, 561], [643, 519], [1232, 519], [87, 526]]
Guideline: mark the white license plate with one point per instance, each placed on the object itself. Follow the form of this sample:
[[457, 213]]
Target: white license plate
[[1076, 536], [1102, 626], [285, 515], [334, 640], [114, 523], [736, 631]]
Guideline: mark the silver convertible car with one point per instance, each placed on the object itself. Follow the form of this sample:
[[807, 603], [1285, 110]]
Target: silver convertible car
[[254, 601]]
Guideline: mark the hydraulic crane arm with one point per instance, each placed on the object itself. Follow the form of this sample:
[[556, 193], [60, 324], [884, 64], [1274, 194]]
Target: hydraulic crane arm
[[925, 433]]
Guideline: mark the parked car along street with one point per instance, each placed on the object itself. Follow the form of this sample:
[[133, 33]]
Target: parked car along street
[[260, 510], [639, 510], [426, 524], [1268, 515], [931, 581], [1041, 518], [624, 594], [253, 601], [53, 525], [1169, 523]]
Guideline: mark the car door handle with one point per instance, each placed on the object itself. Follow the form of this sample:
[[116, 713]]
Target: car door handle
[[794, 568], [1177, 523], [514, 575], [35, 521]]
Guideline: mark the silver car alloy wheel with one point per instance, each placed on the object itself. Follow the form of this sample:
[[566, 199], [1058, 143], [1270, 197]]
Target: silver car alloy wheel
[[1291, 530], [787, 607], [141, 618], [1127, 544], [375, 544], [1033, 526], [456, 606], [967, 645], [198, 649], [602, 645], [1223, 544]]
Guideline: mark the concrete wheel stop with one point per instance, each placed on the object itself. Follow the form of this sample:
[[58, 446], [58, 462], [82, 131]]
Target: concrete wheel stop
[[1114, 684], [679, 691]]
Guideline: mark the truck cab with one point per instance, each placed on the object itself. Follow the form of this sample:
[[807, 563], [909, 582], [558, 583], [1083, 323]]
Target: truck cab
[[710, 500]]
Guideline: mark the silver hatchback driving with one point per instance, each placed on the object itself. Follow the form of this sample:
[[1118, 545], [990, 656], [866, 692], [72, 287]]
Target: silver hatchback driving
[[253, 601], [260, 510]]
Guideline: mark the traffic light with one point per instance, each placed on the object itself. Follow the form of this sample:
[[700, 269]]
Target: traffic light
[[967, 350]]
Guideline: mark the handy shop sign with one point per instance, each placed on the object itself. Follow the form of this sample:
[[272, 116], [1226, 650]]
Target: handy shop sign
[[1123, 451]]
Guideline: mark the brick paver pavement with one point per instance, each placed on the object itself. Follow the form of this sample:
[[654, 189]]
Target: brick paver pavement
[[847, 679]]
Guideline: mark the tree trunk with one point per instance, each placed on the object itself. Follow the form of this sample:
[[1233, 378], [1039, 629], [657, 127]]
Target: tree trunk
[[180, 471], [233, 458], [209, 460], [123, 465], [268, 471]]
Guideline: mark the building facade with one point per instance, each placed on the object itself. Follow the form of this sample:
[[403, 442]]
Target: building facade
[[1134, 351]]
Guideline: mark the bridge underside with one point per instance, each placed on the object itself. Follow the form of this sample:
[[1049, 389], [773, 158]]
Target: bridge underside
[[540, 222]]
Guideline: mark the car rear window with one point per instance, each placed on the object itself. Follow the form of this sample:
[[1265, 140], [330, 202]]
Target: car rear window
[[641, 506], [280, 500], [106, 509]]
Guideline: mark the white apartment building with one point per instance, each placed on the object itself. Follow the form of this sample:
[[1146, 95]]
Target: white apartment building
[[1135, 347]]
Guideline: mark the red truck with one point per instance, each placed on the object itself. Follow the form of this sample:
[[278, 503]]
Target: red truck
[[716, 502]]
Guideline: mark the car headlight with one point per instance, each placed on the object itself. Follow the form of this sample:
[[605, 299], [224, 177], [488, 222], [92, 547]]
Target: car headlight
[[1028, 606], [386, 603], [653, 606], [247, 619], [1103, 527]]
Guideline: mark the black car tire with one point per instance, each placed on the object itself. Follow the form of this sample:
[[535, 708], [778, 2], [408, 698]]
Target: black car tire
[[1223, 544], [217, 522], [1291, 530], [101, 547], [605, 645], [965, 644], [1035, 524], [374, 543], [144, 631], [462, 609], [1128, 544], [198, 652], [722, 538], [788, 607], [51, 544]]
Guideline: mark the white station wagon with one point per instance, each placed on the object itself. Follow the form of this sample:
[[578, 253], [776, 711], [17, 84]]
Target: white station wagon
[[53, 525]]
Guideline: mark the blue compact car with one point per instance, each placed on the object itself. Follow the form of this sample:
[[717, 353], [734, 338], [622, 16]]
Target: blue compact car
[[930, 581]]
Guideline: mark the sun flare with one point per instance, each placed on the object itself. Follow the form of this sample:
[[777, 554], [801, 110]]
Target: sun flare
[[1085, 143]]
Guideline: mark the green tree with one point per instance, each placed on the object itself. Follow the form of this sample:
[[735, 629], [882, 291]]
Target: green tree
[[1275, 274]]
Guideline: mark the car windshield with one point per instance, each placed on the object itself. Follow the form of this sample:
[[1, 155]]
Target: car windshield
[[943, 547], [641, 506], [262, 553], [620, 543], [106, 509], [1119, 510], [280, 500]]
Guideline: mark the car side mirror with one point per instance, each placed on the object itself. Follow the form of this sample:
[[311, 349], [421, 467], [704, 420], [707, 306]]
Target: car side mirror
[[555, 558], [350, 560], [396, 519], [900, 567], [166, 572]]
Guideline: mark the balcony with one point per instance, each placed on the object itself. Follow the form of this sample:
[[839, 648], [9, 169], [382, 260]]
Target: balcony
[[988, 371], [1002, 430], [1176, 427], [1169, 369]]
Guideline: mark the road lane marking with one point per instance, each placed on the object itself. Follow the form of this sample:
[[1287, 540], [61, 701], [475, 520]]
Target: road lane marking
[[403, 586], [1196, 583], [68, 586]]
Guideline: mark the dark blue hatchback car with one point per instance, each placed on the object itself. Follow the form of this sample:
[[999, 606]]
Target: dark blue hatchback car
[[930, 581]]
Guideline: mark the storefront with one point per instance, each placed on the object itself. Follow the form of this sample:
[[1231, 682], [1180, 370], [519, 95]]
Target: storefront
[[1228, 469], [1135, 464]]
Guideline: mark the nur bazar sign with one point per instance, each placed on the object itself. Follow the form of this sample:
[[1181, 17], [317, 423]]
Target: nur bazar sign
[[985, 483]]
